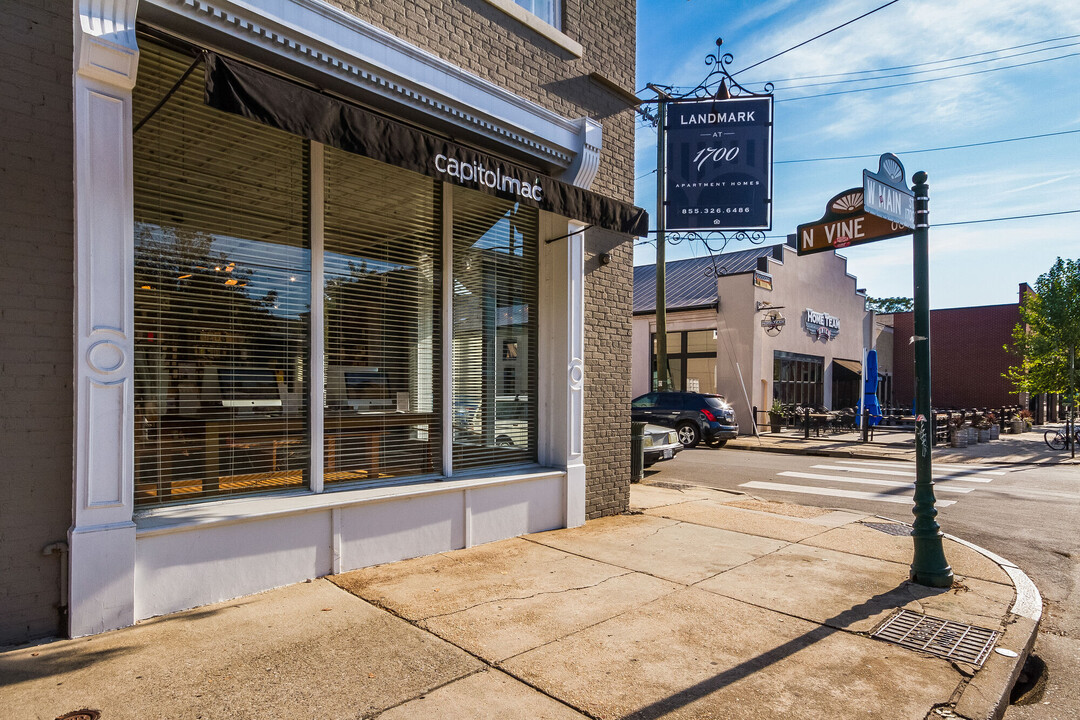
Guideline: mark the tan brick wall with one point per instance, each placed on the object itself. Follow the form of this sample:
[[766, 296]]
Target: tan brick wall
[[36, 343], [482, 39]]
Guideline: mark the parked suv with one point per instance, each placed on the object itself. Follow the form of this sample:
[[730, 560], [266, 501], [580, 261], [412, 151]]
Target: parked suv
[[696, 416]]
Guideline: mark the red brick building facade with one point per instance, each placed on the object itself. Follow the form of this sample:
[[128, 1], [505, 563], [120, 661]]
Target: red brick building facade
[[968, 356]]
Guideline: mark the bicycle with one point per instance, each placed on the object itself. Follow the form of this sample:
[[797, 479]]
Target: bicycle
[[1059, 439]]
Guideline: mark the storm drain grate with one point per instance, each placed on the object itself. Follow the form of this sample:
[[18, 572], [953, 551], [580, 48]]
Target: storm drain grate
[[937, 636], [890, 528]]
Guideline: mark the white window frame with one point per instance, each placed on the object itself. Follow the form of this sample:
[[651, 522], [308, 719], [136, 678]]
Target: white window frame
[[549, 30]]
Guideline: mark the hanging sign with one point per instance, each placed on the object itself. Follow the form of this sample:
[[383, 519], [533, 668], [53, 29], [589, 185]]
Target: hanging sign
[[886, 194], [773, 322], [845, 223], [762, 280], [719, 165]]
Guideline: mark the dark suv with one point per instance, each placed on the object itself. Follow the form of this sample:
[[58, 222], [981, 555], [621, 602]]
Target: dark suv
[[697, 416]]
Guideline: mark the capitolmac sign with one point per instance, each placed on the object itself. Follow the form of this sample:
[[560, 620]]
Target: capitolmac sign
[[719, 164]]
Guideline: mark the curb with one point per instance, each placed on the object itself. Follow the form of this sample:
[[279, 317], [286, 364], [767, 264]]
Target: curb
[[979, 700]]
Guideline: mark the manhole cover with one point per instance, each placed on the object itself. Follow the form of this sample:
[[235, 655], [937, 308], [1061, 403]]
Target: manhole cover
[[937, 636], [890, 528], [81, 715]]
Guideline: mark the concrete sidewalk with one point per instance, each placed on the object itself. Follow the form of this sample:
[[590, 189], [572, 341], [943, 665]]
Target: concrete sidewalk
[[1026, 448], [700, 604]]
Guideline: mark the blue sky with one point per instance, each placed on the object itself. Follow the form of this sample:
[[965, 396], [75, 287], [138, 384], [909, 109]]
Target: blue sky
[[971, 264]]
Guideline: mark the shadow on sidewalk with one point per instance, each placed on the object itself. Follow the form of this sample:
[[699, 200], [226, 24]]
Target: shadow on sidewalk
[[873, 606]]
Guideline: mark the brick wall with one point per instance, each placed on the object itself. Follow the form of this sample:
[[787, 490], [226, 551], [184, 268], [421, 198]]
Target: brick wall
[[967, 357], [36, 339], [482, 39]]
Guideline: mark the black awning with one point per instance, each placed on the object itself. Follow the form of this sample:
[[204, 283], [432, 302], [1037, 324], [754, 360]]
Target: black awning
[[237, 88]]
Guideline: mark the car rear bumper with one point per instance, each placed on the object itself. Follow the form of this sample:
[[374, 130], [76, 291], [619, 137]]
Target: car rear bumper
[[717, 431]]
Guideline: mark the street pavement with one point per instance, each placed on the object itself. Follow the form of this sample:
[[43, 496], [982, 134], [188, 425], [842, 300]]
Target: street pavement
[[700, 603]]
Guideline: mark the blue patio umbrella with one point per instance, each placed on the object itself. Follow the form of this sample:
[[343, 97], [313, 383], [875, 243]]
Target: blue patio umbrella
[[873, 407]]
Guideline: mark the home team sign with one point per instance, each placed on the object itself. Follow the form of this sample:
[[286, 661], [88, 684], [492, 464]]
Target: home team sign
[[719, 165]]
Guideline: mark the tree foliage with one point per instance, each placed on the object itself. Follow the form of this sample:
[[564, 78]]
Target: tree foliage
[[1049, 327], [884, 306]]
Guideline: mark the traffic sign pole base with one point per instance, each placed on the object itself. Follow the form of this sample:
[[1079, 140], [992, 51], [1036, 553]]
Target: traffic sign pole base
[[929, 566]]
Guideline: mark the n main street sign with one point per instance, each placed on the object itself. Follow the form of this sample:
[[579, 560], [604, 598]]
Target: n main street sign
[[886, 194], [845, 223]]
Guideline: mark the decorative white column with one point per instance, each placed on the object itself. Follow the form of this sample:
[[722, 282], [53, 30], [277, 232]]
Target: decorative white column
[[561, 355], [102, 535]]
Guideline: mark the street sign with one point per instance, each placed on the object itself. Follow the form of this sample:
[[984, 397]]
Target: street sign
[[845, 223], [719, 164], [885, 193]]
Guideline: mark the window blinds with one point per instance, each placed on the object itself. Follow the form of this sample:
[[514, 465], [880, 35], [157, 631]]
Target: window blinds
[[383, 239], [494, 348], [222, 281]]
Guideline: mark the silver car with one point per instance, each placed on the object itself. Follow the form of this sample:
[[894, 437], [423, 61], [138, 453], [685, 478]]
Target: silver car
[[660, 443]]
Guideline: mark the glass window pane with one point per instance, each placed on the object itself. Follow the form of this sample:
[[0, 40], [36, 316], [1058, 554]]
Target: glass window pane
[[381, 300], [698, 341], [222, 281], [495, 289], [701, 375]]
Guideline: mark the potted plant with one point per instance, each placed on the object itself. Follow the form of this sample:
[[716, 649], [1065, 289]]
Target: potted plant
[[994, 427], [957, 434], [776, 416], [982, 427], [1016, 424], [1028, 420]]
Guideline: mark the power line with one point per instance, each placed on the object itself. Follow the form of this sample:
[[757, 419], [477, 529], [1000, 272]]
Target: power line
[[934, 225], [806, 42], [929, 80], [913, 152], [909, 152], [923, 72], [924, 64], [1014, 217]]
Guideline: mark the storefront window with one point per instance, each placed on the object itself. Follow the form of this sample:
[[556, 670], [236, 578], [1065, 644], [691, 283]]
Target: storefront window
[[222, 288], [494, 353], [798, 379], [227, 218], [691, 360], [381, 299]]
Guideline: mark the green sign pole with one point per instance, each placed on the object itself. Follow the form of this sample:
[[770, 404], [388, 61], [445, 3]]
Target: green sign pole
[[663, 376], [928, 566]]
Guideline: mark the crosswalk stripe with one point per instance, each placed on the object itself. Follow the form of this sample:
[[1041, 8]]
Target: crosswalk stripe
[[869, 481], [901, 473], [855, 494], [979, 469]]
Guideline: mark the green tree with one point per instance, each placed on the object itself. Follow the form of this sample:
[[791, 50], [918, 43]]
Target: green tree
[[884, 306], [1049, 330]]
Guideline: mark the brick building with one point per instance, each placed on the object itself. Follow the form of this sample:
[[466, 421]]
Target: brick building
[[968, 356], [295, 290]]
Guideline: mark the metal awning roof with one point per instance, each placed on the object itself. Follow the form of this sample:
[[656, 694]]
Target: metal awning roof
[[691, 283], [853, 365]]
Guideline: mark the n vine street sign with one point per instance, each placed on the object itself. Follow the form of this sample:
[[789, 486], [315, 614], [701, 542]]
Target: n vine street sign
[[845, 223], [886, 194]]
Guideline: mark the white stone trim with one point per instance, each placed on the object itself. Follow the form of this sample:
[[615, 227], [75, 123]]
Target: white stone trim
[[538, 26], [101, 537], [186, 518], [334, 42]]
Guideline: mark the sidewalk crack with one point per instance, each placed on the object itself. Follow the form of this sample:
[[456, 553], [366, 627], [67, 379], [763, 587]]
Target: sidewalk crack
[[526, 597]]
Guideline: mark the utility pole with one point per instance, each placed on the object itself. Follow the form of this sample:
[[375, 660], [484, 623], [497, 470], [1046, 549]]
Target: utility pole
[[928, 566], [663, 376]]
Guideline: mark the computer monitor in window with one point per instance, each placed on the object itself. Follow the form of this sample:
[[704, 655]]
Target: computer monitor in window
[[358, 388], [243, 387]]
